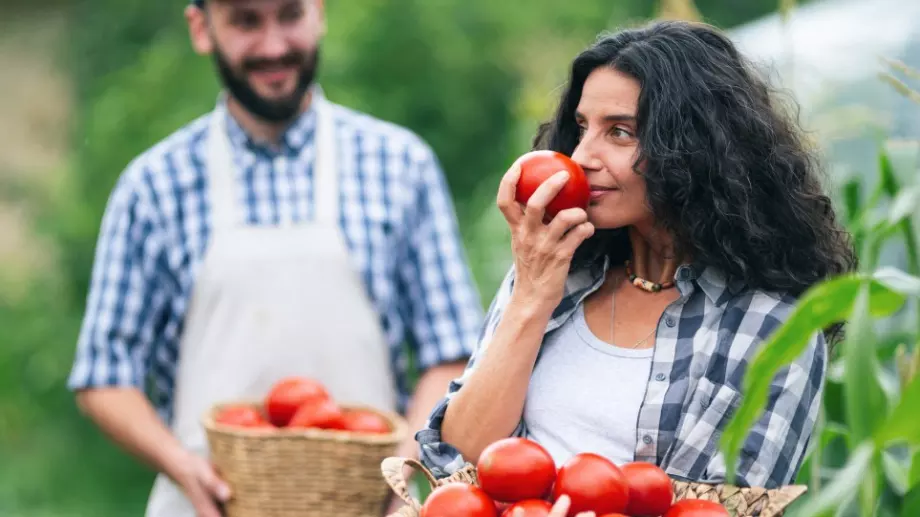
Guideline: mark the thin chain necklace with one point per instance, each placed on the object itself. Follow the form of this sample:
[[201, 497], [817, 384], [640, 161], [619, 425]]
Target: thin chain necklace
[[613, 297]]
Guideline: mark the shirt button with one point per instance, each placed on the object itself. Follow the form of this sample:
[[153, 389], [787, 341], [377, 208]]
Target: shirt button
[[684, 274], [660, 377], [647, 440], [669, 321]]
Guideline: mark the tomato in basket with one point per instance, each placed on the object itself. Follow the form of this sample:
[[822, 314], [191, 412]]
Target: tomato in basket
[[363, 421], [288, 394], [593, 483], [454, 499], [531, 508], [241, 416], [650, 489], [697, 508], [515, 469], [317, 413]]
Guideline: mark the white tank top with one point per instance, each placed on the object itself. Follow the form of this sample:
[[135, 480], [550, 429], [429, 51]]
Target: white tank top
[[585, 394]]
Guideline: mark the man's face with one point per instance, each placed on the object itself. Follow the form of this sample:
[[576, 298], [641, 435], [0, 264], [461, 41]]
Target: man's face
[[265, 50]]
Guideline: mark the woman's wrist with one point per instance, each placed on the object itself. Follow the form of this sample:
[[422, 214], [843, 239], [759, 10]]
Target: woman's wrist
[[529, 310]]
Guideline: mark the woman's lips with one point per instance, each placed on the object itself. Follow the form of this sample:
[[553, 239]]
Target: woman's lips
[[598, 191]]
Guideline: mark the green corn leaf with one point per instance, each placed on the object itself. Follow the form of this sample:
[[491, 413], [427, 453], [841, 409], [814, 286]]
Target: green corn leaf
[[896, 473], [889, 180], [864, 397], [844, 485], [904, 205], [824, 304], [903, 424], [914, 479]]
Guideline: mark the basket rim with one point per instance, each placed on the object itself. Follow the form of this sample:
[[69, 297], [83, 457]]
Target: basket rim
[[399, 427]]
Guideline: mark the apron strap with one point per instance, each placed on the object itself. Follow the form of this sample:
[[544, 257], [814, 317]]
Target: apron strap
[[325, 169], [221, 172]]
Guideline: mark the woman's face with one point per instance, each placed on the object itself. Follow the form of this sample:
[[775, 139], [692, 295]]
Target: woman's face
[[608, 148]]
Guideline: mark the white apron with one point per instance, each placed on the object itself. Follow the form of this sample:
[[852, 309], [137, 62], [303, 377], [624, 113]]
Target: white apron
[[270, 302]]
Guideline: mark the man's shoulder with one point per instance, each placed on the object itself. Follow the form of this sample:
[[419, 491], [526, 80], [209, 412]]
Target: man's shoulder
[[181, 148], [394, 135]]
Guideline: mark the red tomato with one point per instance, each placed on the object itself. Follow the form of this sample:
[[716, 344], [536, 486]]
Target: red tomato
[[650, 490], [319, 413], [456, 499], [241, 416], [287, 395], [531, 507], [593, 483], [514, 469], [697, 508], [361, 421], [538, 166]]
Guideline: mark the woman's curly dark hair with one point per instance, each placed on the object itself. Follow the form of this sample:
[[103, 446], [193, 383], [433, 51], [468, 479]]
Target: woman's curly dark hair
[[727, 172]]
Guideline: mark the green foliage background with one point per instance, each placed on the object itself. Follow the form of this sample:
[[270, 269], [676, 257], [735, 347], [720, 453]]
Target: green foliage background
[[473, 77]]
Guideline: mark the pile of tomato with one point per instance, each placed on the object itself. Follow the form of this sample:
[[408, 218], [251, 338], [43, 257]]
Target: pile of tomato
[[302, 403], [516, 473]]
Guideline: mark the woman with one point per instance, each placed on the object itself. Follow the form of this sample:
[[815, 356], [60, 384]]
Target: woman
[[625, 329]]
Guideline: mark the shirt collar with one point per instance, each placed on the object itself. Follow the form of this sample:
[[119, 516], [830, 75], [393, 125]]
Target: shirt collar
[[297, 135]]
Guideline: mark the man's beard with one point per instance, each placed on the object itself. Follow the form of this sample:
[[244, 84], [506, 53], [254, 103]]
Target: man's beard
[[271, 110]]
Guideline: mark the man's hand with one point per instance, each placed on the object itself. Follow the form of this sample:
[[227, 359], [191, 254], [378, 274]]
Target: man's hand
[[201, 484]]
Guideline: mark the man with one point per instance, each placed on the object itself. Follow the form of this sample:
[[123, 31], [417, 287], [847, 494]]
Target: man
[[278, 235]]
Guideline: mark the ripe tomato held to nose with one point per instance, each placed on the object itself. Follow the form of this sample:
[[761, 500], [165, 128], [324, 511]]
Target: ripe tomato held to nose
[[650, 489], [515, 469], [539, 166], [287, 395], [697, 508], [455, 499], [593, 483]]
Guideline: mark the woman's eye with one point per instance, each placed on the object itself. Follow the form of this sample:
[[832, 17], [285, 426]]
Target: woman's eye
[[621, 133]]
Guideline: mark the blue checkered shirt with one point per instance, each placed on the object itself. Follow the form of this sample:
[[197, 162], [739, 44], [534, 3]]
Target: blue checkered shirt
[[703, 343], [396, 215]]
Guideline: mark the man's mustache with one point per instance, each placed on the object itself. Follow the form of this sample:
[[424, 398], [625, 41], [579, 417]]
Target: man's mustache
[[288, 60]]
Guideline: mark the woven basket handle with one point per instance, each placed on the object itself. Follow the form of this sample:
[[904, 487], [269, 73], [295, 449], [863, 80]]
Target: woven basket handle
[[394, 473]]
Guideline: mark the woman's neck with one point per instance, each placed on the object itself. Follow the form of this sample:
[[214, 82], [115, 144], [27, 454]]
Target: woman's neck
[[654, 257]]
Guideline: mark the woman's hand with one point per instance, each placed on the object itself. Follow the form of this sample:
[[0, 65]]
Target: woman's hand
[[560, 509], [542, 252]]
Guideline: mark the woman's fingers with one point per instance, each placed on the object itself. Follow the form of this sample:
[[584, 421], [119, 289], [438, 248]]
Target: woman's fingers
[[545, 193], [563, 222], [507, 190], [565, 249], [561, 508]]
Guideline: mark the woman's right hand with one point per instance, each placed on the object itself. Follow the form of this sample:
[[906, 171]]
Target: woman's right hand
[[542, 252]]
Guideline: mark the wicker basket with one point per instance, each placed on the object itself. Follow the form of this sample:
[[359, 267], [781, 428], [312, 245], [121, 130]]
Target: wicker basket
[[302, 472], [740, 502]]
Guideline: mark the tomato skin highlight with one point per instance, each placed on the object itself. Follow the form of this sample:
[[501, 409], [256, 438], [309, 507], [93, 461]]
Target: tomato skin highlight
[[697, 508], [650, 489], [361, 421], [539, 166], [317, 413], [288, 394], [515, 469], [456, 499], [593, 483], [531, 507], [241, 416]]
